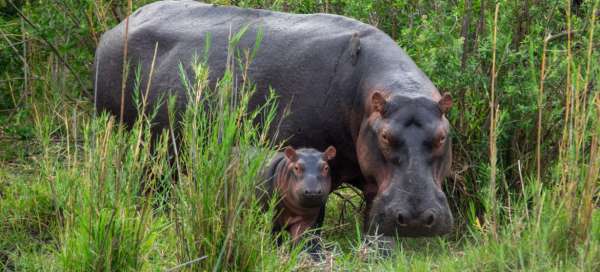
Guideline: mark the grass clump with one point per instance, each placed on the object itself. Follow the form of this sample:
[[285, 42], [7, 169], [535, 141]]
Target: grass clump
[[219, 223]]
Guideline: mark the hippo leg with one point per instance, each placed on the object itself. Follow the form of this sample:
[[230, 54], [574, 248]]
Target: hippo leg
[[313, 245], [382, 244], [313, 241], [319, 223], [369, 194]]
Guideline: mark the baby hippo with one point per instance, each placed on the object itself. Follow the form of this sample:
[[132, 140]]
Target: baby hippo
[[301, 178]]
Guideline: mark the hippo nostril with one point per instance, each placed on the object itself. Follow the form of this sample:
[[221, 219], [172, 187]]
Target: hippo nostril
[[428, 218], [402, 220]]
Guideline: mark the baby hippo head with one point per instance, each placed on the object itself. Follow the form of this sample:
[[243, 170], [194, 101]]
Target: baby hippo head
[[308, 181]]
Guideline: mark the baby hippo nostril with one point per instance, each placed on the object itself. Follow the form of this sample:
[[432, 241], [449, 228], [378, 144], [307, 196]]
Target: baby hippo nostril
[[312, 193], [428, 218]]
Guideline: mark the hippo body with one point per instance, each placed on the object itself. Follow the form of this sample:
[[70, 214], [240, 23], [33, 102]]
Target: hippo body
[[302, 179], [345, 83]]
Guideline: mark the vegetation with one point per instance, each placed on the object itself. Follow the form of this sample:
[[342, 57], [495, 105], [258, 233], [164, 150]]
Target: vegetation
[[79, 192]]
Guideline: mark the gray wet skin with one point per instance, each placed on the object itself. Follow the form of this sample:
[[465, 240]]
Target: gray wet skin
[[347, 84]]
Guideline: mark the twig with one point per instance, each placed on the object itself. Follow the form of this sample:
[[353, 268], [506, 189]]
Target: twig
[[71, 15], [464, 33], [25, 68], [345, 199], [175, 268], [125, 67], [12, 46], [51, 46], [560, 35], [522, 186], [25, 64], [538, 152]]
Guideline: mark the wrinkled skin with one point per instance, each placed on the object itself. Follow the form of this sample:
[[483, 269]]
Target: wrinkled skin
[[303, 181], [404, 151], [344, 82]]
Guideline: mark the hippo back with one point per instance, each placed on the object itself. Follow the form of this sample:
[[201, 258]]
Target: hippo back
[[298, 55]]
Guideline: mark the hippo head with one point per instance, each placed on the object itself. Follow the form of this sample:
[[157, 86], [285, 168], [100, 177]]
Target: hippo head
[[404, 153], [309, 181]]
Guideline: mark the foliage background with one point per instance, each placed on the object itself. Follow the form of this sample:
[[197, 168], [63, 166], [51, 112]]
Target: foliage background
[[47, 49]]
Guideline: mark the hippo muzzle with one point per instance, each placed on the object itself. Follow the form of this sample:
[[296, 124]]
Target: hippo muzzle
[[398, 211]]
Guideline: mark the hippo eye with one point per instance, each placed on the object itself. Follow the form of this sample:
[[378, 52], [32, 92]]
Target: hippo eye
[[326, 168], [385, 138], [297, 169]]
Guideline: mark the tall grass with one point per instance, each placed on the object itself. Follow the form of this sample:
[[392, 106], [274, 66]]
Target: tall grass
[[578, 157], [559, 210], [493, 135], [206, 176], [125, 201], [220, 225], [563, 213]]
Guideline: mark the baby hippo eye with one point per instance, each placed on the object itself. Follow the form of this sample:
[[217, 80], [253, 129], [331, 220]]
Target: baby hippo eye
[[326, 168], [297, 169], [440, 141]]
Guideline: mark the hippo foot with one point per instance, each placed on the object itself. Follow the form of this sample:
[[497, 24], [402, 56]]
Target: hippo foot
[[316, 256], [315, 250], [385, 246]]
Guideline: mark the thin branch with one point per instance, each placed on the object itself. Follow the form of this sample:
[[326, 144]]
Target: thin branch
[[175, 268], [91, 41], [12, 46], [560, 35], [464, 33]]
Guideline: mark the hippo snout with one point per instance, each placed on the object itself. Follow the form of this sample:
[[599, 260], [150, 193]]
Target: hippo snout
[[429, 222], [313, 193], [312, 197], [432, 217], [410, 215], [426, 219]]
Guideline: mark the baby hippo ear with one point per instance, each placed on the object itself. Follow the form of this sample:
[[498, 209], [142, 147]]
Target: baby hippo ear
[[329, 153], [445, 103], [290, 154], [378, 103]]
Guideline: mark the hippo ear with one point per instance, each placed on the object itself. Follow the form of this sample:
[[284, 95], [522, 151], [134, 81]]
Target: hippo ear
[[290, 154], [378, 102], [354, 47], [445, 103], [329, 153]]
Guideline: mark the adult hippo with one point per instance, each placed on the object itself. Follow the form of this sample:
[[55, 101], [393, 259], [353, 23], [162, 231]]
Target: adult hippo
[[346, 83]]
